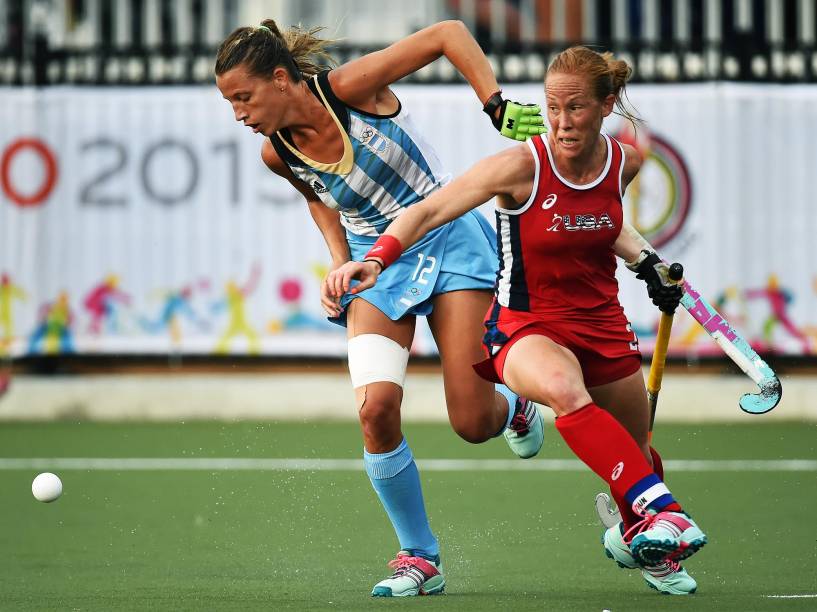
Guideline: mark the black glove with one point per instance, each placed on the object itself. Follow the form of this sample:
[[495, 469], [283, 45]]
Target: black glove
[[663, 292]]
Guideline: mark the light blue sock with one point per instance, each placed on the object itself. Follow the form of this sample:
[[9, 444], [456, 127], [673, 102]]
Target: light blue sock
[[511, 397], [396, 480]]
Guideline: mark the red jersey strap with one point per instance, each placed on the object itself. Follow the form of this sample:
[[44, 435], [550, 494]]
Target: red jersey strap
[[610, 176]]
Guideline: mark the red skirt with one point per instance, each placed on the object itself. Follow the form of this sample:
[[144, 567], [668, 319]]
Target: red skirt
[[604, 342]]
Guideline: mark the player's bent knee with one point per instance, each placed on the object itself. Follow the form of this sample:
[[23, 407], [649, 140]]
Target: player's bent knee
[[472, 431], [375, 358], [563, 392]]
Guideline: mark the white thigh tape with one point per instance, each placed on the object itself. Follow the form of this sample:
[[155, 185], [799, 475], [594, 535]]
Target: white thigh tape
[[375, 358]]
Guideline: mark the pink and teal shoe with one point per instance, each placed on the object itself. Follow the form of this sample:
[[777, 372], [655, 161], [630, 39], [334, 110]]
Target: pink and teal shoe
[[667, 577], [666, 536], [413, 575]]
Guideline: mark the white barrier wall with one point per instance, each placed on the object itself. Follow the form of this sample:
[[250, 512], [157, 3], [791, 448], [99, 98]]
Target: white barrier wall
[[142, 220]]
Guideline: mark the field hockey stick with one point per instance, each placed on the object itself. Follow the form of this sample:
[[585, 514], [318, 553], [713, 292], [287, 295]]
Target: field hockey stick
[[731, 342], [608, 515], [659, 354]]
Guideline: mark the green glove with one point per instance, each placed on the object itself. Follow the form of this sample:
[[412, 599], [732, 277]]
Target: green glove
[[514, 120]]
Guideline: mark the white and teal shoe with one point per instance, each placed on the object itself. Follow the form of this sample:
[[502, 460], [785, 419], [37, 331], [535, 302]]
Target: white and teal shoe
[[526, 433], [413, 575], [616, 549], [667, 577]]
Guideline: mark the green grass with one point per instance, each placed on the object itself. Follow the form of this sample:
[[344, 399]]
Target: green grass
[[248, 540]]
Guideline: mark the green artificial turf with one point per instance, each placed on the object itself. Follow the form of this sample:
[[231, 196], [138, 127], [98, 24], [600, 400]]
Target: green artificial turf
[[278, 540]]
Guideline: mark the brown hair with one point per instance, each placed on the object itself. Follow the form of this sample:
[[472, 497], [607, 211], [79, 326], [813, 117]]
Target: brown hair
[[607, 75], [264, 48]]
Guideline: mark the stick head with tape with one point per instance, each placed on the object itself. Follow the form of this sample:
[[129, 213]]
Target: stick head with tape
[[770, 393]]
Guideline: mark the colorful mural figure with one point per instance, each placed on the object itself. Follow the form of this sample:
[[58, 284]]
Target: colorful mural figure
[[102, 302], [290, 291], [778, 298], [177, 305], [54, 328], [8, 293], [234, 303], [811, 330]]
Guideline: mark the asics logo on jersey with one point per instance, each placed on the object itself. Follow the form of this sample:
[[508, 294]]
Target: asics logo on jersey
[[549, 201], [617, 470], [575, 223], [318, 187]]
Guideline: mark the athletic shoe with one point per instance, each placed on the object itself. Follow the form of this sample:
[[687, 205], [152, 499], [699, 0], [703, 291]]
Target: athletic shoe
[[526, 433], [667, 577], [412, 575], [616, 549], [666, 536]]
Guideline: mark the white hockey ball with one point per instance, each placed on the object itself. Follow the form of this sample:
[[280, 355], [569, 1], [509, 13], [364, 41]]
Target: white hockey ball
[[46, 487]]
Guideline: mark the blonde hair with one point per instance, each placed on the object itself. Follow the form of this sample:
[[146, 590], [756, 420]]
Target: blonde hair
[[606, 74], [264, 48]]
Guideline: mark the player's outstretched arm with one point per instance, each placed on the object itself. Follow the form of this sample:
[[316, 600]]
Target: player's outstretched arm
[[508, 175], [364, 77], [358, 81]]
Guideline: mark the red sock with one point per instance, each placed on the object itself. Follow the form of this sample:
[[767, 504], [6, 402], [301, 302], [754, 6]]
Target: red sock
[[608, 449]]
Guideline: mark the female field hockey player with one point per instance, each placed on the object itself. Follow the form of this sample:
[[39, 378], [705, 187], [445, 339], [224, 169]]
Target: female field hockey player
[[555, 332], [343, 140]]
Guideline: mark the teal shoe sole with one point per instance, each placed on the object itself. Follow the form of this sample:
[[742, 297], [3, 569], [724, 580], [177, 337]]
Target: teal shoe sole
[[651, 552], [435, 589], [386, 592]]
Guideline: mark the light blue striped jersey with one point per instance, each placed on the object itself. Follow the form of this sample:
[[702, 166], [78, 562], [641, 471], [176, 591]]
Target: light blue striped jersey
[[386, 166]]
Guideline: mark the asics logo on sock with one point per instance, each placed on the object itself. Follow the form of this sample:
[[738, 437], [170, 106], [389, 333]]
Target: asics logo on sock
[[617, 470]]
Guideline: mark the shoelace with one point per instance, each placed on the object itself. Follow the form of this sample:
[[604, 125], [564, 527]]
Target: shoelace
[[402, 564], [519, 422], [639, 527]]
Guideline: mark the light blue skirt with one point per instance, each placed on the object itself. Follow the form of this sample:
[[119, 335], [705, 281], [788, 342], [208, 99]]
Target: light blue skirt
[[459, 255]]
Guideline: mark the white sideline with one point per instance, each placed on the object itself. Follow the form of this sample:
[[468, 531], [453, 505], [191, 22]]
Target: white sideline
[[355, 465]]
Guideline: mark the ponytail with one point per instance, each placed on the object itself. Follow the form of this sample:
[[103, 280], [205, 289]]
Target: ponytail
[[264, 48]]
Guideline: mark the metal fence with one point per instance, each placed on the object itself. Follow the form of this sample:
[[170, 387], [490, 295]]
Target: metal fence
[[119, 42]]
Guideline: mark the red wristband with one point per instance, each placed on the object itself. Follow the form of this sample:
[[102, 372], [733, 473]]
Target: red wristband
[[387, 249]]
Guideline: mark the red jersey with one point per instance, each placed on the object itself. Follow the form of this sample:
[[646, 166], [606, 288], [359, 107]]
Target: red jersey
[[556, 251]]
